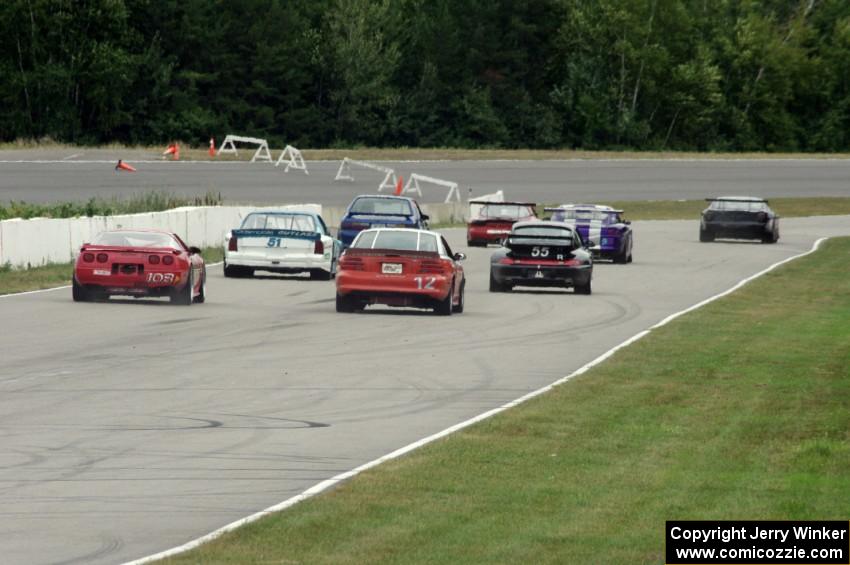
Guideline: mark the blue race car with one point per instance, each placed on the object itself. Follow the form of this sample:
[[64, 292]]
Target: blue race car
[[372, 211], [604, 227]]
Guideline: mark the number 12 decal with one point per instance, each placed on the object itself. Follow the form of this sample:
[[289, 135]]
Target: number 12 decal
[[425, 282]]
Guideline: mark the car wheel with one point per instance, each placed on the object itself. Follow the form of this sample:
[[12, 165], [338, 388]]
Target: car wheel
[[705, 236], [496, 286], [473, 243], [230, 271], [583, 288], [184, 295], [319, 275], [444, 307], [344, 303], [202, 295], [79, 292], [460, 300]]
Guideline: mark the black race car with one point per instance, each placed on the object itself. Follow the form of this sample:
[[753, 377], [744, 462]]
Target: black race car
[[739, 217], [542, 254]]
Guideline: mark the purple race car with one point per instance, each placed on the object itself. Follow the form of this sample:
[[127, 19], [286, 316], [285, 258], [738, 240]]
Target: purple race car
[[608, 234]]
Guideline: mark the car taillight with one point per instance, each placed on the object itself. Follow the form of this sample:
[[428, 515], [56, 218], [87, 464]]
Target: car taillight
[[762, 216], [351, 263], [610, 232], [153, 259], [319, 247], [88, 257], [506, 261], [431, 267], [231, 244], [167, 260], [102, 257], [572, 262]]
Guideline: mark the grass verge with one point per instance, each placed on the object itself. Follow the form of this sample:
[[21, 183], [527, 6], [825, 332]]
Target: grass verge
[[735, 411], [154, 201], [59, 274]]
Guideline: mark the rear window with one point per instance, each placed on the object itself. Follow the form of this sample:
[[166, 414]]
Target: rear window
[[506, 211], [381, 206], [297, 222], [738, 206], [398, 240], [136, 239], [585, 215]]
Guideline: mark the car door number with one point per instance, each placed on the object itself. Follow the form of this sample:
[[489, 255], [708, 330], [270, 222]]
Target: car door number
[[425, 283], [539, 251], [273, 242]]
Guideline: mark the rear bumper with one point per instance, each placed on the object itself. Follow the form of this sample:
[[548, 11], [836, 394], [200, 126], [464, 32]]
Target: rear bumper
[[545, 275], [290, 263], [738, 230], [147, 283], [386, 288]]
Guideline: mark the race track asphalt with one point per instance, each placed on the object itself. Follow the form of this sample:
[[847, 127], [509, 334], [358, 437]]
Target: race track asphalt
[[39, 176], [130, 427]]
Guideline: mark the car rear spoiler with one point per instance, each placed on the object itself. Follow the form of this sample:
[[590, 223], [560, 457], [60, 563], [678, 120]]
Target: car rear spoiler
[[487, 202], [560, 208], [721, 199], [380, 214], [370, 252], [284, 234]]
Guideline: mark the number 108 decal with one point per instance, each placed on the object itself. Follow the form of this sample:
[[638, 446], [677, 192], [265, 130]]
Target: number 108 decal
[[167, 278]]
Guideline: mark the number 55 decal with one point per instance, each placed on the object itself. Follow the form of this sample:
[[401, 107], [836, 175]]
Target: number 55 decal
[[539, 251], [425, 282]]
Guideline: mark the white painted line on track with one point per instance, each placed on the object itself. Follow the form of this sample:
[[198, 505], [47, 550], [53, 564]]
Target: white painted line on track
[[333, 481], [67, 286], [69, 157]]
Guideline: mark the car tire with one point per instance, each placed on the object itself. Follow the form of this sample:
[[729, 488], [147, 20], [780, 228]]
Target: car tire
[[444, 307], [705, 236], [583, 288], [344, 304], [496, 286], [183, 296], [230, 271], [79, 292], [460, 302], [202, 295], [319, 275], [472, 243]]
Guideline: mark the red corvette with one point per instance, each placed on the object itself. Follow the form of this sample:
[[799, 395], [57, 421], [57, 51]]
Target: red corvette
[[491, 222], [139, 263], [400, 267]]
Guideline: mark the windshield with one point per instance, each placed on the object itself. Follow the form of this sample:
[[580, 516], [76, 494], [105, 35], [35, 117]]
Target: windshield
[[738, 206], [399, 240], [586, 215], [296, 222], [136, 239], [507, 211], [383, 206]]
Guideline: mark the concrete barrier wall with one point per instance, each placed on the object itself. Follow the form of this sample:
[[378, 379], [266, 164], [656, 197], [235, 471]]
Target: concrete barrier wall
[[39, 241]]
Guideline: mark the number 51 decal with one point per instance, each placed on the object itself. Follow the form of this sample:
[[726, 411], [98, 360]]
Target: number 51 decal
[[425, 282]]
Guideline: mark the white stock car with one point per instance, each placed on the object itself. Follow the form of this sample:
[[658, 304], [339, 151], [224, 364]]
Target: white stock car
[[281, 242]]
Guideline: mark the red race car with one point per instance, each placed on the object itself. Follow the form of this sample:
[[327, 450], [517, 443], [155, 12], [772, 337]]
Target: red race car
[[139, 263], [400, 267], [491, 222]]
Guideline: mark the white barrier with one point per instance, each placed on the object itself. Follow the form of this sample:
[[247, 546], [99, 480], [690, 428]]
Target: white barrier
[[44, 240], [262, 153], [475, 209], [413, 186], [296, 160], [344, 173]]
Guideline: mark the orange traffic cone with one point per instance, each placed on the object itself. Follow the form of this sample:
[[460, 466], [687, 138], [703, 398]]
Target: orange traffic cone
[[173, 150], [399, 186], [122, 166], [212, 147]]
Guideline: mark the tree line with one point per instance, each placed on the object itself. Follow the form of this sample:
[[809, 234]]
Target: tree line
[[717, 75]]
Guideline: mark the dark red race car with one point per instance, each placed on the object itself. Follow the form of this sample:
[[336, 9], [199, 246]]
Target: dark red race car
[[400, 267], [139, 263], [491, 222]]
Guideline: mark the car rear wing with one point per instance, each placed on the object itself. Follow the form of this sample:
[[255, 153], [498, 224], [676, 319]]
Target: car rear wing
[[379, 252], [561, 209], [283, 234], [754, 200], [509, 203]]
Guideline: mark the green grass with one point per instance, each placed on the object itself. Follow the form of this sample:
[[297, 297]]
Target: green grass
[[735, 411], [59, 274], [154, 201]]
